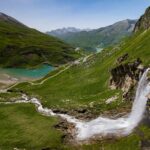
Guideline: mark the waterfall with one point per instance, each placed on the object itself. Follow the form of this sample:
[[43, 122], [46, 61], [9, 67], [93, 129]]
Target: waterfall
[[140, 101], [120, 126], [103, 126]]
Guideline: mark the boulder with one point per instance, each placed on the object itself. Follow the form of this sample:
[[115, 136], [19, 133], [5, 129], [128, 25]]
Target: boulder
[[122, 58]]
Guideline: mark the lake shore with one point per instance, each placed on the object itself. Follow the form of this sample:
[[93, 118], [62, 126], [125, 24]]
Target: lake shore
[[10, 76], [8, 80]]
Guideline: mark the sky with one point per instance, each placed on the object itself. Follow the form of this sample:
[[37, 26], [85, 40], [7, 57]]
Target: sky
[[46, 15]]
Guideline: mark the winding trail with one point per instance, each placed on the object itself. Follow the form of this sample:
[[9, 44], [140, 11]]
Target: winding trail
[[84, 59], [102, 126], [32, 83], [61, 71]]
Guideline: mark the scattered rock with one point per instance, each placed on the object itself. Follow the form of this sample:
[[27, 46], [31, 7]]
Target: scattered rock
[[81, 110], [82, 113], [112, 99], [122, 58], [59, 111], [68, 130], [145, 145]]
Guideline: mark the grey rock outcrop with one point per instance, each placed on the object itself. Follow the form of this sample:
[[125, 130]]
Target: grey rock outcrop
[[144, 22], [125, 77]]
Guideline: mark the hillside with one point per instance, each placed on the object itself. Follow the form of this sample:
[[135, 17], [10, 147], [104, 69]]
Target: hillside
[[89, 81], [21, 46], [100, 84], [144, 21], [98, 38]]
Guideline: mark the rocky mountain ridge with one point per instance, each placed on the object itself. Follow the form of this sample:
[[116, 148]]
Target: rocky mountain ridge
[[144, 21], [102, 37], [6, 18], [64, 31]]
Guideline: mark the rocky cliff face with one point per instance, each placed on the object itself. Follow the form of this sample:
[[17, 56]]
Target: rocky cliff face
[[144, 22], [126, 75]]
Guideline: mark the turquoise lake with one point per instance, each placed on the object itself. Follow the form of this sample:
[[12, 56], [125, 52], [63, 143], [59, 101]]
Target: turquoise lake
[[28, 73]]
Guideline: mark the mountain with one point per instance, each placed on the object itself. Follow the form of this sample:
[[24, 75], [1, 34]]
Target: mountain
[[98, 38], [100, 84], [6, 18], [63, 31], [144, 21], [22, 46]]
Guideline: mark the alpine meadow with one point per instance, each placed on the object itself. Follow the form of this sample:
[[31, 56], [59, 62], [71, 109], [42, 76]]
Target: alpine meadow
[[74, 75]]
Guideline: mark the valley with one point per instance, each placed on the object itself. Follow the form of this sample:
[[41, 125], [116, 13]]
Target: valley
[[10, 76], [57, 98], [90, 39]]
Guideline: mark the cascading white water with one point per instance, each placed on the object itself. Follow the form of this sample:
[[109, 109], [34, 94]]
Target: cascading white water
[[120, 126], [103, 126]]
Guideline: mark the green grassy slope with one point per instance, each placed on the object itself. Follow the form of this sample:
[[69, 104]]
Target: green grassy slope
[[25, 128], [79, 86], [23, 46], [88, 82]]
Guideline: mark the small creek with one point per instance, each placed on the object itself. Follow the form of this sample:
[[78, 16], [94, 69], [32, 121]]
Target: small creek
[[102, 126]]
